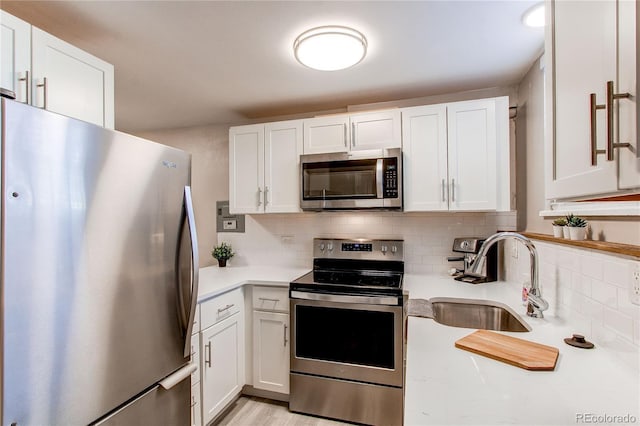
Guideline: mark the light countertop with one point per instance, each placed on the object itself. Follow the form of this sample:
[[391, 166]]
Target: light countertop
[[447, 385], [215, 280]]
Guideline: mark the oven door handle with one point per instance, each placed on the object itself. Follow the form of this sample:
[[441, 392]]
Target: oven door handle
[[379, 178], [326, 297]]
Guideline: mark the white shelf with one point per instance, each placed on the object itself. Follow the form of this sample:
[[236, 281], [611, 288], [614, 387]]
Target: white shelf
[[601, 208]]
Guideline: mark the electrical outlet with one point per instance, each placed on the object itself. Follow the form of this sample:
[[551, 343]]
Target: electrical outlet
[[514, 249], [634, 289]]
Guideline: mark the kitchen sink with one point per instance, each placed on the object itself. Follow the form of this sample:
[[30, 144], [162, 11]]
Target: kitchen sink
[[476, 313]]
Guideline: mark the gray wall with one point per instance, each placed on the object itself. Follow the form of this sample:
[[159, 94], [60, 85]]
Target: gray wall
[[209, 150]]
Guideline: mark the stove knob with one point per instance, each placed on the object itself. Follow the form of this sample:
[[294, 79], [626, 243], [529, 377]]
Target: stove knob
[[383, 249], [394, 249], [330, 246], [321, 246]]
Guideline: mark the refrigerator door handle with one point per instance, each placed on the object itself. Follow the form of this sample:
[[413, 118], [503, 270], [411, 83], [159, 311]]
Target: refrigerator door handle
[[195, 268], [175, 378]]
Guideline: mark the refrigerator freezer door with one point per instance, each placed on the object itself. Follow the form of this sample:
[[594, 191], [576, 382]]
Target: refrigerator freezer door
[[158, 406], [91, 228]]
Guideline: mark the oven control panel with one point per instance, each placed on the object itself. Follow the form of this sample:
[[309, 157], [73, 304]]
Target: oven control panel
[[358, 249]]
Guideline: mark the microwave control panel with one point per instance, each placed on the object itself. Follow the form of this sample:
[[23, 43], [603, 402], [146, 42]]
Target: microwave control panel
[[390, 168]]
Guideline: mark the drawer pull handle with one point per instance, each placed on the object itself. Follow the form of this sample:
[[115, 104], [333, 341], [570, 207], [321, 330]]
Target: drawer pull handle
[[267, 299], [226, 308]]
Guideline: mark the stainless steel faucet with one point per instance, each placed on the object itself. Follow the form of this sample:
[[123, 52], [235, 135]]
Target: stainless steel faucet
[[536, 304]]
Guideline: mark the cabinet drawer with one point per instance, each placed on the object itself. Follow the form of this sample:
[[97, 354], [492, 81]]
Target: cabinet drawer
[[220, 307], [196, 321], [195, 357], [271, 298]]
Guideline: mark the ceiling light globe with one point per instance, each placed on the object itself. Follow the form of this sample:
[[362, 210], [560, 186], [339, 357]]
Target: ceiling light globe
[[534, 17], [330, 48]]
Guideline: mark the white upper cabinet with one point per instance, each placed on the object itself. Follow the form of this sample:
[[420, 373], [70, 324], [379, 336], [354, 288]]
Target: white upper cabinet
[[376, 130], [283, 146], [49, 73], [264, 168], [326, 134], [15, 55], [342, 133], [471, 153], [77, 84], [451, 156], [246, 169], [584, 130], [424, 136]]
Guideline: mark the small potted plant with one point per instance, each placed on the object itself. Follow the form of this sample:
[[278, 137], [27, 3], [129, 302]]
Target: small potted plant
[[558, 227], [577, 227], [223, 252]]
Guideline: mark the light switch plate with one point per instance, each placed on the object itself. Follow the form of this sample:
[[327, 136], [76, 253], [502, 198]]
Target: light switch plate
[[227, 222]]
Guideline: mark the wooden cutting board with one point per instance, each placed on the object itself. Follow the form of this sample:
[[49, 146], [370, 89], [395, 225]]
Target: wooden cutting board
[[518, 352]]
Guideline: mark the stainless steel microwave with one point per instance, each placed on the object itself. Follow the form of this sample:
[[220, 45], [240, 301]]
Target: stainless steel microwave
[[351, 181]]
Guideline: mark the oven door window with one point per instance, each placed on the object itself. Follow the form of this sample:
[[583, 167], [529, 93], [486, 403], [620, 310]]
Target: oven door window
[[349, 336], [339, 179]]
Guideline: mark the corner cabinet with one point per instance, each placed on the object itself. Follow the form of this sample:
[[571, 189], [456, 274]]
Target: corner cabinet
[[591, 136], [221, 352], [264, 167], [49, 73], [456, 156], [352, 132]]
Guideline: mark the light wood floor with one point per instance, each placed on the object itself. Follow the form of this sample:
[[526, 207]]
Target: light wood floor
[[253, 411]]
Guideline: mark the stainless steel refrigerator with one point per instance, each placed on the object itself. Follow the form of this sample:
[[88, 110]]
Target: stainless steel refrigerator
[[99, 274]]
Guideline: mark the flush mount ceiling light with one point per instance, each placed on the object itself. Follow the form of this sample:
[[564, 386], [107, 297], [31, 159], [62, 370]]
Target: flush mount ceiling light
[[330, 48], [534, 17]]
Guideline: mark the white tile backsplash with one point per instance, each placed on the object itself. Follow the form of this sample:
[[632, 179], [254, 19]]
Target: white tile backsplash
[[286, 239], [588, 289]]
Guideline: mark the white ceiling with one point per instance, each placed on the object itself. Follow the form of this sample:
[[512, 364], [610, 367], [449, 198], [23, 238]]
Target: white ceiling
[[186, 63]]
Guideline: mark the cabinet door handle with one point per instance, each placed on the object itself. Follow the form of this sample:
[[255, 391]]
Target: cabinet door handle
[[207, 360], [266, 196], [611, 145], [259, 196], [285, 335], [453, 190], [44, 91], [346, 139], [444, 189], [27, 99], [594, 146], [226, 308], [353, 134]]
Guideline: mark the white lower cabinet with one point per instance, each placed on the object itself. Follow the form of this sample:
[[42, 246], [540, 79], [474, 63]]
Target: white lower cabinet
[[221, 352], [271, 339], [271, 351], [196, 409]]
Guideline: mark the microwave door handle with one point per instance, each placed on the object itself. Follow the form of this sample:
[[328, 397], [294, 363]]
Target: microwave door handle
[[379, 179]]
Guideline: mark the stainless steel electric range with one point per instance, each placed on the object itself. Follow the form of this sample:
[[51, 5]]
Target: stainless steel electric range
[[348, 319]]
